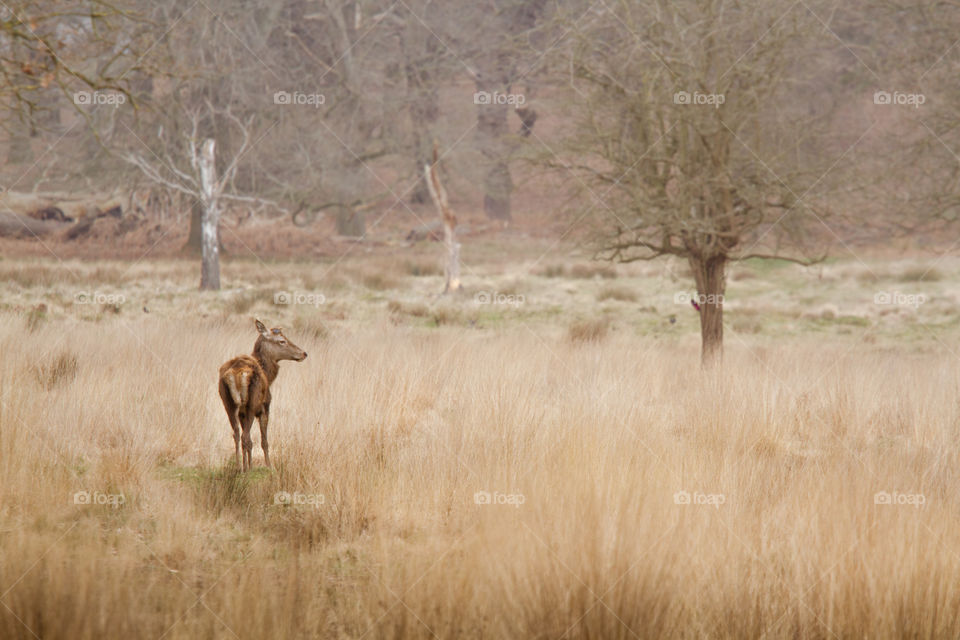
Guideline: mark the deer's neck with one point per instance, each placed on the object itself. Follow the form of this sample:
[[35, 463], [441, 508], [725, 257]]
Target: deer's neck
[[270, 366]]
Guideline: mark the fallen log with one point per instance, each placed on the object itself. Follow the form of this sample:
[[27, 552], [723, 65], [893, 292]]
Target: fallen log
[[50, 213], [33, 215], [13, 225], [64, 206]]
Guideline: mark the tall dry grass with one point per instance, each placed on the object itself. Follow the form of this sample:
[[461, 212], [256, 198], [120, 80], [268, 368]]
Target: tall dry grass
[[386, 435]]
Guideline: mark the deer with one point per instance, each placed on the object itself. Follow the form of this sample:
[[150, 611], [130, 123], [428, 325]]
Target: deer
[[245, 388]]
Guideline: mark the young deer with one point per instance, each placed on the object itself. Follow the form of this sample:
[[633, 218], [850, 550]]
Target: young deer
[[245, 387]]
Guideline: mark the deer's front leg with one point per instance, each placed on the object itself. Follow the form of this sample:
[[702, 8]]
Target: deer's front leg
[[264, 420]]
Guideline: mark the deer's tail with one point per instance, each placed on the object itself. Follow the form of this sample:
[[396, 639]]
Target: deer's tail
[[238, 383]]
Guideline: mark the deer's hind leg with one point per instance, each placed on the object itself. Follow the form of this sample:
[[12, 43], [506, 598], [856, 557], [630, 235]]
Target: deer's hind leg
[[257, 394], [231, 408], [246, 421], [264, 419]]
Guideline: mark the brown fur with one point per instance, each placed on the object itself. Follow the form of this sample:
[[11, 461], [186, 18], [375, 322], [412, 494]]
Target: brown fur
[[245, 388]]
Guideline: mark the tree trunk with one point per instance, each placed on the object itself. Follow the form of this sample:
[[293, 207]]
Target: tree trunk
[[210, 225], [452, 269], [711, 284], [351, 223], [491, 138], [439, 196], [194, 243]]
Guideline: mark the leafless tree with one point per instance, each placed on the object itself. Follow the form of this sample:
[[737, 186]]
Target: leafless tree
[[438, 194], [188, 166], [693, 136]]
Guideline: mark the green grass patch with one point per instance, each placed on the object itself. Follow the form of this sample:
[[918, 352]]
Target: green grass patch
[[225, 488]]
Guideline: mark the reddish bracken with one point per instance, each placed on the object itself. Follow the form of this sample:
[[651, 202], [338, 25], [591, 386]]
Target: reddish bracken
[[245, 388]]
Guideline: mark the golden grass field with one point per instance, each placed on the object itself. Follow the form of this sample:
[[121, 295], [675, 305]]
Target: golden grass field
[[631, 494]]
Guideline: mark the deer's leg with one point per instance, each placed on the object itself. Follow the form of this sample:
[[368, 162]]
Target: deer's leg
[[231, 408], [264, 420], [246, 421], [236, 441]]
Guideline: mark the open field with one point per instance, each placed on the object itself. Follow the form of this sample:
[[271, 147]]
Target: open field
[[812, 490], [694, 373]]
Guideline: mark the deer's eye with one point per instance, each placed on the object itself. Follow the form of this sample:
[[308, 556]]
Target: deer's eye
[[282, 341]]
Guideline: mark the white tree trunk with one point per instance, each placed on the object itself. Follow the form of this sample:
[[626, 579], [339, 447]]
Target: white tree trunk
[[439, 196], [453, 255], [210, 260]]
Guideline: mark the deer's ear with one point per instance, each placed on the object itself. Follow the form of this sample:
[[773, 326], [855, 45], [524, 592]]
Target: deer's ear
[[261, 327]]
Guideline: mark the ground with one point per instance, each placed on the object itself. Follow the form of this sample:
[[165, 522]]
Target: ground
[[540, 456]]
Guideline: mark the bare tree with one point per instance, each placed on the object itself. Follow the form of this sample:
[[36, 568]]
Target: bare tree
[[694, 138], [188, 166], [439, 196]]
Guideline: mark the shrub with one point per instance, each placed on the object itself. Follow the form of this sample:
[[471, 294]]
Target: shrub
[[61, 369], [593, 330]]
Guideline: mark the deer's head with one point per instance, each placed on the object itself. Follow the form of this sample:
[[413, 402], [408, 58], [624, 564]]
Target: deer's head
[[274, 345]]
